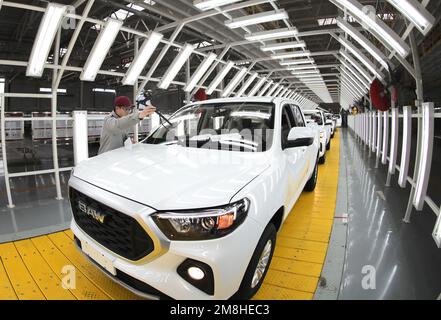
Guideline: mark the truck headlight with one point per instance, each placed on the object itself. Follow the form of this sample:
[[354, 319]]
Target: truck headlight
[[202, 224]]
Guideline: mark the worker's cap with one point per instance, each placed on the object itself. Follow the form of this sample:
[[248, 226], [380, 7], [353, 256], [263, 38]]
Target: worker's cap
[[123, 101]]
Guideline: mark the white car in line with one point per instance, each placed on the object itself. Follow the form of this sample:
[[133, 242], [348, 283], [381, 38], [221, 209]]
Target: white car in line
[[331, 122], [192, 212], [338, 120], [316, 118]]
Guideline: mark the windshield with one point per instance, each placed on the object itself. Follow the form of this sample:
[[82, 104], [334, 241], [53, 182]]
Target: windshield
[[314, 117], [246, 127]]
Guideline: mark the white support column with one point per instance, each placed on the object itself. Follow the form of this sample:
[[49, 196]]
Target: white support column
[[425, 155], [54, 107], [135, 93], [406, 145], [80, 136], [393, 146], [374, 131], [368, 116], [385, 137], [4, 156], [379, 137]]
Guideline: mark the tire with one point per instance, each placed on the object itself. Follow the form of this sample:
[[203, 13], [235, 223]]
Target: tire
[[247, 289], [328, 146], [322, 160], [312, 182], [332, 136]]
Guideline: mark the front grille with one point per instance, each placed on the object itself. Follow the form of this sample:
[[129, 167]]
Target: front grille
[[129, 280], [118, 232]]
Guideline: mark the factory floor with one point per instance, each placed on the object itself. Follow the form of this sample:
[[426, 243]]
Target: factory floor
[[349, 223]]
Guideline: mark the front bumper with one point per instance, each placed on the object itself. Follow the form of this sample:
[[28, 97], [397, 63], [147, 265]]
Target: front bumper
[[227, 259]]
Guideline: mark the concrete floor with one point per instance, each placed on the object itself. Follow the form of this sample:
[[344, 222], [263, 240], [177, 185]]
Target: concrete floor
[[404, 257]]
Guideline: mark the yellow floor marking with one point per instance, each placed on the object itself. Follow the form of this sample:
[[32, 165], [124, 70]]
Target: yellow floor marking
[[303, 239], [6, 290], [69, 233], [301, 244], [291, 281], [48, 282], [84, 288], [299, 254], [298, 267], [21, 280], [270, 292], [66, 246]]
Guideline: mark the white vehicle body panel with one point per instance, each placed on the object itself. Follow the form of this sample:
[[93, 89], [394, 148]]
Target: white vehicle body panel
[[147, 178]]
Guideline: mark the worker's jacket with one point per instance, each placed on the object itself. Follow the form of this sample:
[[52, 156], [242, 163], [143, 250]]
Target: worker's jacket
[[116, 130]]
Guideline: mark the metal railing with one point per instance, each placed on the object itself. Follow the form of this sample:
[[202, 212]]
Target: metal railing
[[372, 130]]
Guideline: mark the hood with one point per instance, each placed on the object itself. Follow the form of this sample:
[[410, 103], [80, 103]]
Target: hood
[[173, 177]]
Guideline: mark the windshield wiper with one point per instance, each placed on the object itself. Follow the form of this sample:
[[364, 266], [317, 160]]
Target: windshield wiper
[[240, 143]]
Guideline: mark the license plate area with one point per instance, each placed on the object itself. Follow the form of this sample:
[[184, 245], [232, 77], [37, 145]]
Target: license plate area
[[98, 257]]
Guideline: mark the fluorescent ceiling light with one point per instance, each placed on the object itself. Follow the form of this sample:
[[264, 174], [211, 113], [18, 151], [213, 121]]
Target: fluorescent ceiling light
[[356, 74], [353, 81], [364, 42], [350, 84], [305, 72], [360, 56], [258, 18], [303, 68], [176, 65], [377, 27], [104, 90], [272, 34], [47, 31], [357, 66], [257, 86], [416, 13], [296, 62], [100, 49], [265, 88], [247, 84], [316, 76], [140, 61], [291, 55], [274, 88], [276, 94], [234, 82], [49, 90], [284, 92], [205, 5], [216, 81], [352, 92], [283, 45], [200, 71]]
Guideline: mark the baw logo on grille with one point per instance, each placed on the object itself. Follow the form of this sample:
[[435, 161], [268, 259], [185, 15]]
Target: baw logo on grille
[[91, 212]]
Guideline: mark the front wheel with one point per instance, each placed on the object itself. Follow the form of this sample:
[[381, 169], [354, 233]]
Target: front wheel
[[322, 160], [328, 146], [312, 182], [259, 264]]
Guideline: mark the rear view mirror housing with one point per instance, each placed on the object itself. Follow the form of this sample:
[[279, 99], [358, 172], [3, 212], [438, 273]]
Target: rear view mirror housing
[[300, 137]]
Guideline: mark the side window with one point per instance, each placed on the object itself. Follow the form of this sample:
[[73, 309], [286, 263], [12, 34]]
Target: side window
[[287, 123], [298, 117]]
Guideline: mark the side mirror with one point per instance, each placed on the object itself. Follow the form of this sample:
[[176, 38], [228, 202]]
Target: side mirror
[[328, 123], [300, 137]]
